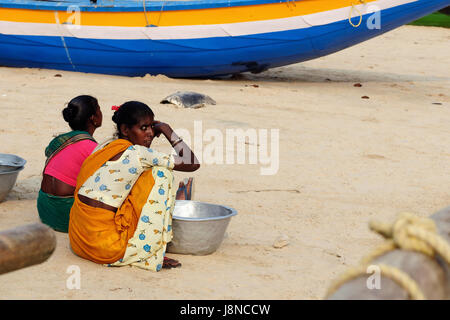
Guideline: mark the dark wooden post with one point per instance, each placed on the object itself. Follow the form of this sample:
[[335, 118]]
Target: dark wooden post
[[25, 246], [431, 275]]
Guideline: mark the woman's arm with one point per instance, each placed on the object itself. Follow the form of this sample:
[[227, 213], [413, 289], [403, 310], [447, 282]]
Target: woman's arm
[[185, 160]]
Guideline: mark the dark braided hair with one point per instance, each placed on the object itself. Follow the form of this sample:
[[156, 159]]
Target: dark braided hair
[[79, 110]]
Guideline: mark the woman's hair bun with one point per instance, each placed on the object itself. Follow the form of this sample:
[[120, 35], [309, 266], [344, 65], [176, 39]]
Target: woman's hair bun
[[79, 110], [115, 117], [68, 114]]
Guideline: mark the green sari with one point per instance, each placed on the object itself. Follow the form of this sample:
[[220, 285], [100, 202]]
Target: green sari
[[53, 210]]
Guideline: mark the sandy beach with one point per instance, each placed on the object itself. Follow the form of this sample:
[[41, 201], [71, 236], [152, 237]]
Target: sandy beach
[[343, 160]]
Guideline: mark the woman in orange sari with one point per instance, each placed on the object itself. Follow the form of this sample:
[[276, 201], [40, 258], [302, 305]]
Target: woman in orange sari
[[124, 197]]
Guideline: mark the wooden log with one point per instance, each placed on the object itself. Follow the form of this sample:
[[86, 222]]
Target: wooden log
[[25, 246], [431, 275]]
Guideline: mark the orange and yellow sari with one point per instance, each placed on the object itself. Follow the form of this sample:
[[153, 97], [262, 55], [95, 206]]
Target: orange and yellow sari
[[137, 234]]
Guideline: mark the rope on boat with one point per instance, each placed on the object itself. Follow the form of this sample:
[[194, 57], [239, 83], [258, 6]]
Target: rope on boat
[[160, 12], [408, 232], [291, 1], [58, 23], [360, 14], [147, 20]]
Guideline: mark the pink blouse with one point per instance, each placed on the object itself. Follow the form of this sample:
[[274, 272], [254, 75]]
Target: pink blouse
[[66, 165]]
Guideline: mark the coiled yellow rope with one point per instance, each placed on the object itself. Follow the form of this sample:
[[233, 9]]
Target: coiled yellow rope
[[408, 232]]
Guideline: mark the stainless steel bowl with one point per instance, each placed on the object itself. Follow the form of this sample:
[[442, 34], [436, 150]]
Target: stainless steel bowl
[[198, 227], [7, 181], [10, 162]]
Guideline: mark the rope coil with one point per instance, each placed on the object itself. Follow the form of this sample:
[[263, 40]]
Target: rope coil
[[408, 232]]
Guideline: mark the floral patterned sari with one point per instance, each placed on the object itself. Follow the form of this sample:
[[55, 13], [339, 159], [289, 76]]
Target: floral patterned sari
[[138, 233]]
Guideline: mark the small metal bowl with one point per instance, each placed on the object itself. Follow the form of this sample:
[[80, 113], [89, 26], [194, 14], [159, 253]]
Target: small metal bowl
[[7, 181], [10, 166], [10, 162], [198, 227]]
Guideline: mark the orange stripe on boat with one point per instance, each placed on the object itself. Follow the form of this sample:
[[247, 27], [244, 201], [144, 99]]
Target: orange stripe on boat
[[181, 17]]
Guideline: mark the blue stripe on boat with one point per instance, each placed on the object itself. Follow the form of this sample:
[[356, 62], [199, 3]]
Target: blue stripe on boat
[[201, 57]]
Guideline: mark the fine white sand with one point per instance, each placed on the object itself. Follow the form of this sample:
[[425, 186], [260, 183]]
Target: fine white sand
[[343, 161]]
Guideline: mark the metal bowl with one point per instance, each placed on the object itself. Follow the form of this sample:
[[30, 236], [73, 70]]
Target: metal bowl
[[198, 227], [7, 181], [10, 162]]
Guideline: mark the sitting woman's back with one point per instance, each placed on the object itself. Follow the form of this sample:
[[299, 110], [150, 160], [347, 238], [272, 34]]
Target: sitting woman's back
[[66, 165], [65, 155]]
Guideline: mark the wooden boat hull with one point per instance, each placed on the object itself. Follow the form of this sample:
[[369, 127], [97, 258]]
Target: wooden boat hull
[[192, 38]]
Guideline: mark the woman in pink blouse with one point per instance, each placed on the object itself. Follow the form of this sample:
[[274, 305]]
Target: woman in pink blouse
[[65, 155]]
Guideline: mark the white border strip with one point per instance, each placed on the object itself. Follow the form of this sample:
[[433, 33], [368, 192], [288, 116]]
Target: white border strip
[[196, 31]]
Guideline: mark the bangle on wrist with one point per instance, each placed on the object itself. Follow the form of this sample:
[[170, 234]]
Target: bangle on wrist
[[176, 142]]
